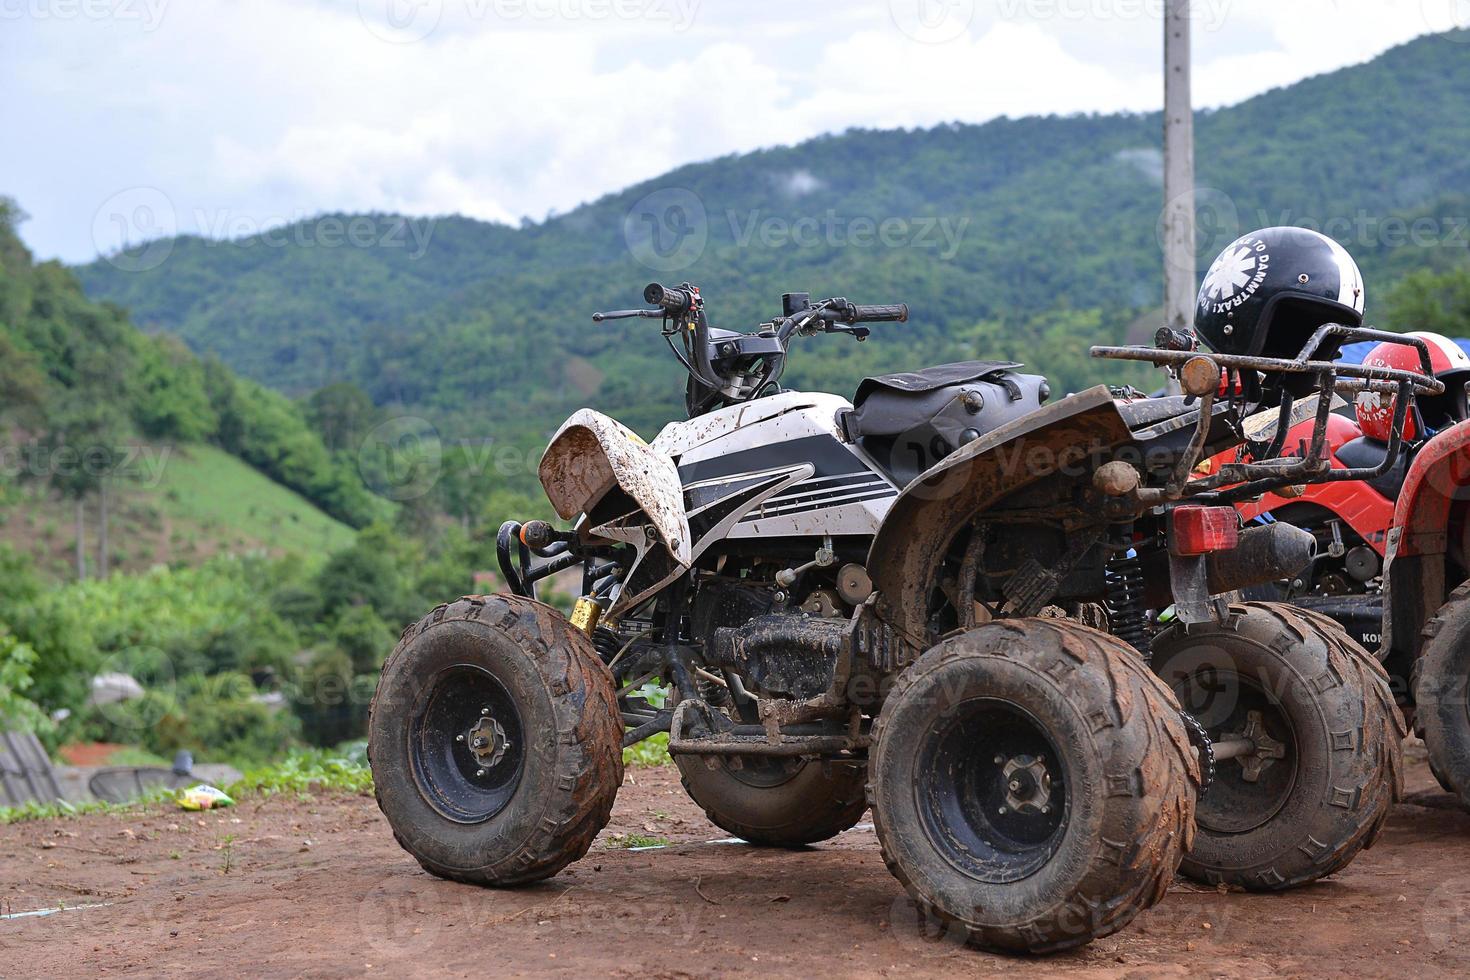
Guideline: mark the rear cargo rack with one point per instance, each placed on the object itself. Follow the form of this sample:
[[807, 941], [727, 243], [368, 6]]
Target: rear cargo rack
[[1270, 470]]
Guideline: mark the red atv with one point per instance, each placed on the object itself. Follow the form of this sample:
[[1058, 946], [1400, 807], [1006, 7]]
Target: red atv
[[1393, 563], [1351, 519]]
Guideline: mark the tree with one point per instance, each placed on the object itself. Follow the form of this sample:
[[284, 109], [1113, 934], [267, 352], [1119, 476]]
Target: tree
[[172, 403], [372, 572], [22, 384], [342, 414], [362, 635], [83, 449], [1434, 301]]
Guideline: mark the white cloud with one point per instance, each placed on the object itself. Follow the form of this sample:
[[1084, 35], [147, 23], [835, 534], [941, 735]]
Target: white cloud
[[799, 183], [261, 112]]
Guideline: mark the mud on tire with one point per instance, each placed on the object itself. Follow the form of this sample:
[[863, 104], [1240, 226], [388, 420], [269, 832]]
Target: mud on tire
[[1075, 734], [1442, 693], [776, 802], [1321, 708], [495, 741]]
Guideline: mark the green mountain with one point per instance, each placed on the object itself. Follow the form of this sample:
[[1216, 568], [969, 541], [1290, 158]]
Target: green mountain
[[1028, 237], [153, 454]]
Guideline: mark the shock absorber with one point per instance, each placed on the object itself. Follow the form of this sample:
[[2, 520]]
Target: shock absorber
[[1124, 577], [715, 694], [607, 643]]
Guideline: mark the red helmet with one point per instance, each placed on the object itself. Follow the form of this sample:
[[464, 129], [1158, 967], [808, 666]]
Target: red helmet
[[1450, 365]]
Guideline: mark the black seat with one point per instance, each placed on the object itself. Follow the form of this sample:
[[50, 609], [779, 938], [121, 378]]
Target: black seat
[[908, 422], [891, 404], [1365, 453]]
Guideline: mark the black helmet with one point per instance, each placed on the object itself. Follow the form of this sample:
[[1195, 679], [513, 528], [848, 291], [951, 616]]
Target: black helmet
[[1269, 290]]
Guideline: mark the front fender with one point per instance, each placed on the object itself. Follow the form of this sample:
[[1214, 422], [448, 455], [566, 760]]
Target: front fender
[[1438, 479], [939, 503], [1417, 577], [591, 454]]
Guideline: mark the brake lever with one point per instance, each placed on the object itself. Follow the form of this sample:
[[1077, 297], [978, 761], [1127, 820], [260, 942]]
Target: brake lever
[[627, 315], [860, 333], [797, 323]]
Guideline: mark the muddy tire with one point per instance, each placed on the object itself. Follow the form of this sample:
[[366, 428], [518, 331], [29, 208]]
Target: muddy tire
[[1329, 762], [1032, 785], [495, 741], [1442, 693], [778, 802]]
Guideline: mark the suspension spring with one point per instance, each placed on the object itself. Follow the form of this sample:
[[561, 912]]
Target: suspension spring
[[713, 693], [1124, 578], [606, 642]]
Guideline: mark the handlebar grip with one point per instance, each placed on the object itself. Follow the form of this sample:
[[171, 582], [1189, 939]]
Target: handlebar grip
[[898, 313], [668, 297]]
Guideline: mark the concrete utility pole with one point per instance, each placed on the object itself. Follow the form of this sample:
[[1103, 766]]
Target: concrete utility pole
[[1180, 286]]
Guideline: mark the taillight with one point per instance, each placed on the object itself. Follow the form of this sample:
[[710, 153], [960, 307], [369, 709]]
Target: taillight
[[1201, 530]]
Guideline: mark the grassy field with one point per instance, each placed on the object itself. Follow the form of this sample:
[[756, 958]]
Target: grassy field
[[209, 487], [184, 504]]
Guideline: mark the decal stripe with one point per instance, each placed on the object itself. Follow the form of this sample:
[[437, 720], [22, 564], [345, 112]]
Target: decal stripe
[[837, 481], [705, 494], [703, 524], [827, 504], [802, 493]]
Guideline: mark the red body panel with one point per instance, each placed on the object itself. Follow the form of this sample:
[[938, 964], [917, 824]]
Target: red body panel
[[1439, 477], [1358, 505]]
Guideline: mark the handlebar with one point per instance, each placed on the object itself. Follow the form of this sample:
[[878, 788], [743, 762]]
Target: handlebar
[[744, 365], [668, 298], [853, 313], [837, 315], [675, 301]]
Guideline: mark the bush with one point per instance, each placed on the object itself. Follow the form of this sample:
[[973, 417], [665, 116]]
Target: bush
[[218, 718], [16, 710], [313, 770], [331, 700], [362, 635]]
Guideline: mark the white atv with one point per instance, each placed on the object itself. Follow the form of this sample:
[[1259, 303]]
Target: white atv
[[934, 601]]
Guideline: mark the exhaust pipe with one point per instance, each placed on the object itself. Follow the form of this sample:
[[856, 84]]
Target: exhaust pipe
[[1264, 554]]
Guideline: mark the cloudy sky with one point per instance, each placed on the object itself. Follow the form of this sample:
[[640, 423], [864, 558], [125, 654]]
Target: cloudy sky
[[128, 118]]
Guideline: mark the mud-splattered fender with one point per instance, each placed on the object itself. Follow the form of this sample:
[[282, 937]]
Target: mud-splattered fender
[[591, 454], [939, 503]]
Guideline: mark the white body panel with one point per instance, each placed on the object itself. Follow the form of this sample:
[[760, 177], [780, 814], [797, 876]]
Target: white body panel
[[677, 438], [846, 494]]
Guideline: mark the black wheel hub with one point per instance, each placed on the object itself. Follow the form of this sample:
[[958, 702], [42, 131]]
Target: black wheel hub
[[487, 741], [1028, 783], [466, 744], [992, 791]]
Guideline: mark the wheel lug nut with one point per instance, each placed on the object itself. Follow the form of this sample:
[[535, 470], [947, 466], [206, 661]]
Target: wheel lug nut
[[479, 772], [484, 711], [459, 738], [1002, 810], [1000, 760]]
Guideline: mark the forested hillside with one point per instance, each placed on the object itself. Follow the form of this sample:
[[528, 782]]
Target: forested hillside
[[84, 391], [163, 518], [1030, 238]]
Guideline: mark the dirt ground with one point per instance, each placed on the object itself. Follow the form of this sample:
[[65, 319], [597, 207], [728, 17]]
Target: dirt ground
[[285, 887]]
